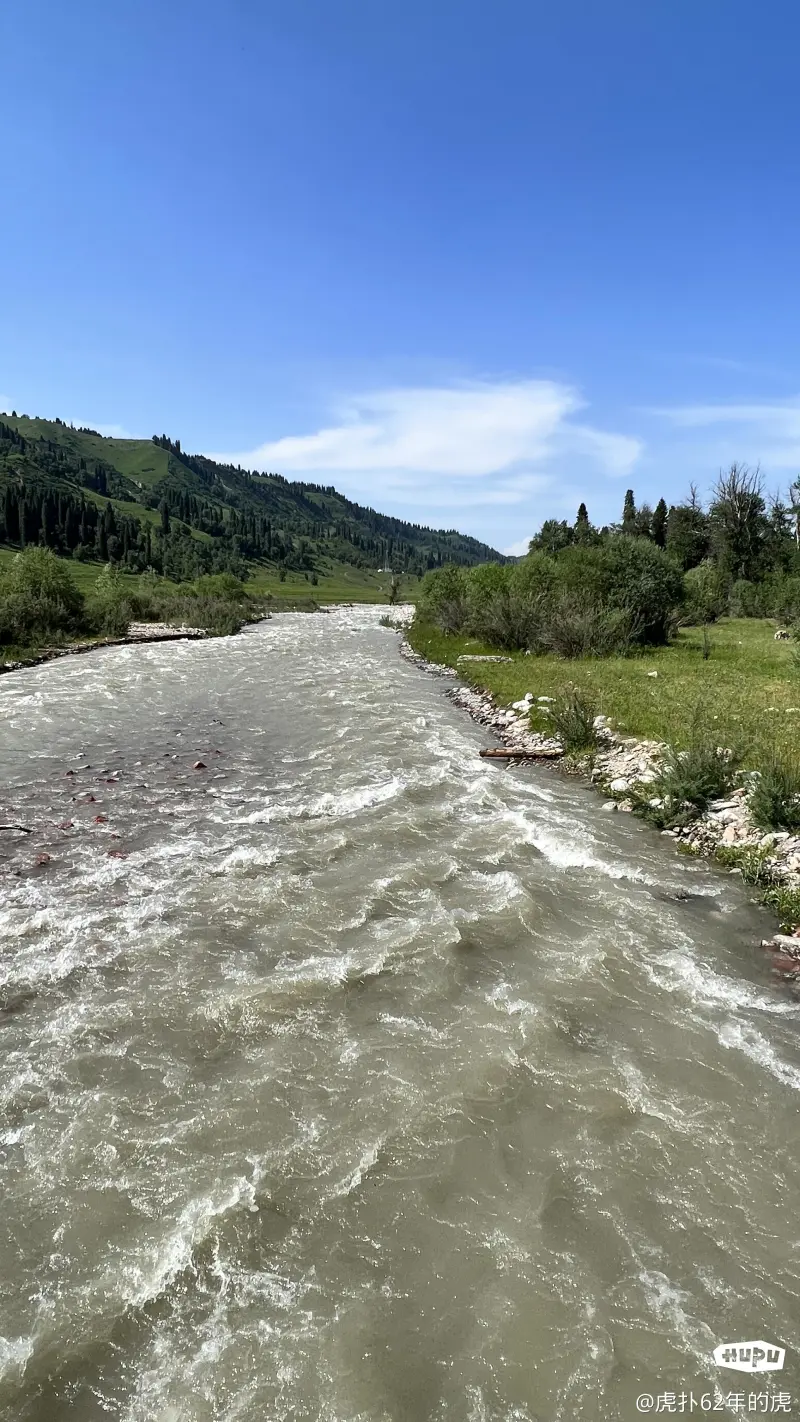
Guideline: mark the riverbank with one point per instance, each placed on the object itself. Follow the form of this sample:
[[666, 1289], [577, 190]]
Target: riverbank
[[141, 633], [622, 768], [138, 634]]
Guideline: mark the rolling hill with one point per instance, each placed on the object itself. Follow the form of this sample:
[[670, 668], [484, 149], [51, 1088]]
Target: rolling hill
[[147, 504]]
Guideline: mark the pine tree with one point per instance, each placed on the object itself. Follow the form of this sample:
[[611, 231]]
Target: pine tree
[[629, 513], [659, 524]]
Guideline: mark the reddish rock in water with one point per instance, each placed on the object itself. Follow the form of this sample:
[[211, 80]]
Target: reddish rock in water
[[42, 859], [116, 854], [101, 819], [66, 824], [781, 963], [88, 800], [199, 765]]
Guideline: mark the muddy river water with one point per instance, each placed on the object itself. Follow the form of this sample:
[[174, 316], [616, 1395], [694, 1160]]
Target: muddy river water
[[353, 1079]]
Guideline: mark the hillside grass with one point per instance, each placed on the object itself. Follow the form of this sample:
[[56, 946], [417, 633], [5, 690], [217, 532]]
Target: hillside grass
[[749, 687], [338, 583]]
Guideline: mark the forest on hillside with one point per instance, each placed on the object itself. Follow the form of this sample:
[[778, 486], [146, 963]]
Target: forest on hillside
[[183, 516]]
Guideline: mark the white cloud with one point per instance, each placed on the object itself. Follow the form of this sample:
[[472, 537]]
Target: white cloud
[[430, 442], [758, 431], [518, 549], [780, 418]]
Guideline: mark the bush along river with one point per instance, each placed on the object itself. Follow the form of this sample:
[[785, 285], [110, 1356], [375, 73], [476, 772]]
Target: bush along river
[[348, 1076]]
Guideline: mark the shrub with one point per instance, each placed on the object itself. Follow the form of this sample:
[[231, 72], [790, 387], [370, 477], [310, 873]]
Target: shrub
[[222, 620], [775, 797], [745, 599], [781, 597], [690, 779], [570, 627], [443, 598], [221, 585], [110, 607], [629, 573], [572, 718], [588, 601], [39, 599], [704, 594]]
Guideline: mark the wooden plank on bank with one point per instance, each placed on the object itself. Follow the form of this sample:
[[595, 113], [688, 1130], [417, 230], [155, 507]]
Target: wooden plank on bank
[[501, 753]]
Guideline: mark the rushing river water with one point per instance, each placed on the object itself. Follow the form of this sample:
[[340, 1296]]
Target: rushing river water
[[353, 1079]]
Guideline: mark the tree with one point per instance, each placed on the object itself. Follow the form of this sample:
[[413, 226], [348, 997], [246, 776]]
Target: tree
[[163, 509], [629, 513], [554, 535], [38, 598], [738, 522], [794, 505], [688, 537], [658, 530]]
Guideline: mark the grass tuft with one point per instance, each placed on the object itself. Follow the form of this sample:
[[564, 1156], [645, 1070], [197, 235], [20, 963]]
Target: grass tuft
[[775, 797], [571, 719]]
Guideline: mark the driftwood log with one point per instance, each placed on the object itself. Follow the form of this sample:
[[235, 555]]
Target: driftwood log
[[502, 753]]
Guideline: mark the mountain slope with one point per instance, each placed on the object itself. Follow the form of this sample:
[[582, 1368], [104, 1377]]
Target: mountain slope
[[146, 503]]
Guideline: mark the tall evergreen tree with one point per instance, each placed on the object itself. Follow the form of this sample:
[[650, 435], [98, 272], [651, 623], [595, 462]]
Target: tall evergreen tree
[[659, 524], [629, 513]]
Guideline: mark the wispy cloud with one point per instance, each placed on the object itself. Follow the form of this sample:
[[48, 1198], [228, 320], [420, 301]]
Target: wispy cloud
[[445, 446], [765, 430], [777, 416]]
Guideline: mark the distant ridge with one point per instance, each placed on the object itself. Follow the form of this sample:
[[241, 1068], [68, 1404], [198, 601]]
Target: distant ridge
[[147, 504]]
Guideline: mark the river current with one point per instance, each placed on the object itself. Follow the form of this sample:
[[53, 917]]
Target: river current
[[353, 1079]]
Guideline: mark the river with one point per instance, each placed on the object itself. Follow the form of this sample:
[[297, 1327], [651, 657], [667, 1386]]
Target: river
[[353, 1079]]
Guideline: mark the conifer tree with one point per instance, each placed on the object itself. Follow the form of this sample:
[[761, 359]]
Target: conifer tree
[[629, 513]]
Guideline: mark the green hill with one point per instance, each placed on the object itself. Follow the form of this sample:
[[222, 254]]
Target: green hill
[[147, 504]]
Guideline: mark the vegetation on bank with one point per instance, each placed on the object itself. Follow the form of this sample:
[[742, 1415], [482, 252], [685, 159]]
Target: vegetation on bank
[[747, 690], [43, 606], [665, 624]]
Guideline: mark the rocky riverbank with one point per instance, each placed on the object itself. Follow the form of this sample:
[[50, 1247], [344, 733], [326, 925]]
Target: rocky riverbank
[[623, 768], [137, 633]]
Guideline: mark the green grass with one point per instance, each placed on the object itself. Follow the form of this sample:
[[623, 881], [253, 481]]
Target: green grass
[[749, 686], [337, 583], [85, 574]]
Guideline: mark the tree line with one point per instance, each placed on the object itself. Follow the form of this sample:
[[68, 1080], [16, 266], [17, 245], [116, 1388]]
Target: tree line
[[583, 590]]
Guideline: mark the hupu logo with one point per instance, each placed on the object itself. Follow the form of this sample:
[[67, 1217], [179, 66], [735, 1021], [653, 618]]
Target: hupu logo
[[757, 1357]]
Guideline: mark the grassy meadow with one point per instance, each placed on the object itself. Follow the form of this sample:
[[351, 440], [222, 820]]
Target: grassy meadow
[[749, 686]]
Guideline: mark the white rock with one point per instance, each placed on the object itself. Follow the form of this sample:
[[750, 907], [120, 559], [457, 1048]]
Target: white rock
[[652, 673], [619, 786], [542, 699], [609, 805]]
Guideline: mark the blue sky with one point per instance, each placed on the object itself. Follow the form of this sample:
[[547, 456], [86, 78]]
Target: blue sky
[[470, 262]]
